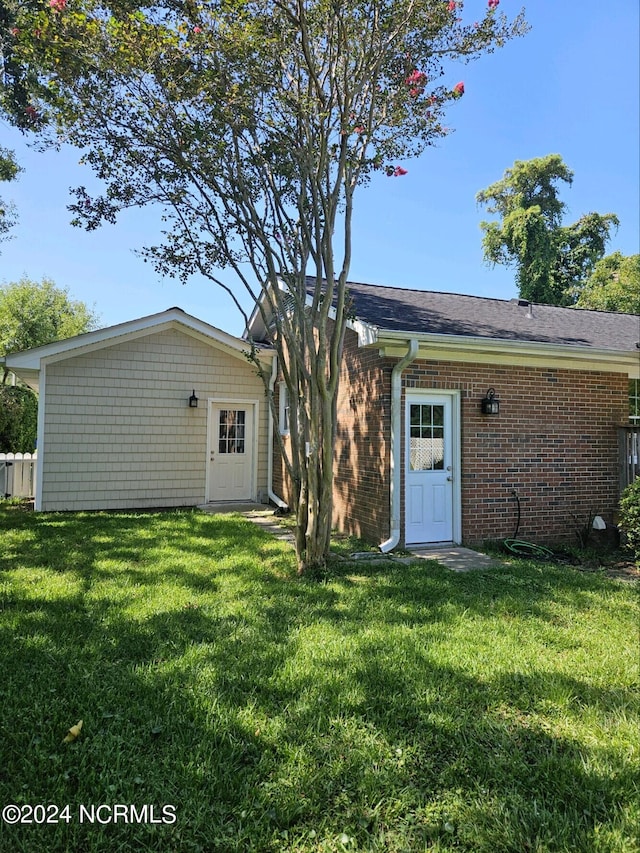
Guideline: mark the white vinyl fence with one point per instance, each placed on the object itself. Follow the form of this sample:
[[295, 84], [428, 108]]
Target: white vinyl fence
[[18, 475]]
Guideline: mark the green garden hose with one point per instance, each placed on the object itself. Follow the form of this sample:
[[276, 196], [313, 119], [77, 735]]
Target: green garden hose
[[526, 549]]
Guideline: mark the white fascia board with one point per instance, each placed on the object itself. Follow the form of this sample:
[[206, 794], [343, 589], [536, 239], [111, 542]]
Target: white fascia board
[[232, 346], [503, 351], [256, 328], [367, 333], [30, 360], [29, 377]]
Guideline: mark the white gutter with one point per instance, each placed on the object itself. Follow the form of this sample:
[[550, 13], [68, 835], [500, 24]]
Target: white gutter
[[466, 347], [272, 495], [395, 455]]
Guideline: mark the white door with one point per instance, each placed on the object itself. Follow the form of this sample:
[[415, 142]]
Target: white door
[[231, 452], [429, 470]]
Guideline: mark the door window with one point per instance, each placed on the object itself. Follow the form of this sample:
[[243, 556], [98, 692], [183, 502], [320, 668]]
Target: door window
[[231, 431], [426, 437]]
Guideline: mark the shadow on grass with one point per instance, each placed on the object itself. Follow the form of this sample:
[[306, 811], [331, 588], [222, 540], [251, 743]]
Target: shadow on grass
[[282, 714]]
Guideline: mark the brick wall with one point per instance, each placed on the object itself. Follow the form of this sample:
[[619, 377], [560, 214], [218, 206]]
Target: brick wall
[[362, 474], [554, 443], [361, 461]]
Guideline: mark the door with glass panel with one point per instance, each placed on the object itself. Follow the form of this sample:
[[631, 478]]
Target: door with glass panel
[[231, 452], [428, 470]]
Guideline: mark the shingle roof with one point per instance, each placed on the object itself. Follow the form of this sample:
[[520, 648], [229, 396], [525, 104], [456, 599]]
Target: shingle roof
[[422, 311]]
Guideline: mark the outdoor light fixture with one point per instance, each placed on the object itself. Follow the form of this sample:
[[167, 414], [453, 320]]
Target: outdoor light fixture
[[489, 405], [193, 400]]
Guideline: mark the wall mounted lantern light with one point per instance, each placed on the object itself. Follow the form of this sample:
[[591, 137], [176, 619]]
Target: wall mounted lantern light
[[193, 400], [489, 405]]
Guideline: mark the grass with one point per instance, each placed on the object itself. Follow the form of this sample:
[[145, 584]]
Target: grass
[[389, 708]]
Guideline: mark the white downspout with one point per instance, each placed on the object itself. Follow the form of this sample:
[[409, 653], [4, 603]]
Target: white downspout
[[40, 437], [395, 454], [272, 495]]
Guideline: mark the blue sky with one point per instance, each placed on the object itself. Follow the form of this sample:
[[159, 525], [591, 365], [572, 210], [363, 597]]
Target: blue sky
[[569, 87]]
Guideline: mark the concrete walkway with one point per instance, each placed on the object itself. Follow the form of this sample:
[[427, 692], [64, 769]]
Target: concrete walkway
[[453, 557], [260, 514], [267, 522]]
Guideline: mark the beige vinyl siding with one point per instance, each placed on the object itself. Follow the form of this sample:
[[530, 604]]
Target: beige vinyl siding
[[118, 429]]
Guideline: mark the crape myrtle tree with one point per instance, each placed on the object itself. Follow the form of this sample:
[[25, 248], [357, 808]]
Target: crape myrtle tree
[[252, 123], [8, 172], [552, 260]]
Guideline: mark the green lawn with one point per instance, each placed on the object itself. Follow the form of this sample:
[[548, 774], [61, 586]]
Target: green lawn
[[388, 708]]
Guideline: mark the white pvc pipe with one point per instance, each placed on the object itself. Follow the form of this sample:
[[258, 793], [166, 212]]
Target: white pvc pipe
[[272, 495], [395, 455]]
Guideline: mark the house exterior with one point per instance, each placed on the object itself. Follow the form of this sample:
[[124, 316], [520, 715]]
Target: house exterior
[[116, 429], [417, 459]]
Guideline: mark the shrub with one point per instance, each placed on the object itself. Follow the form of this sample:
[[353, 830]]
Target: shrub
[[18, 419], [630, 516]]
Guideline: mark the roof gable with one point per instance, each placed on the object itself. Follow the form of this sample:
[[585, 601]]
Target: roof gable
[[27, 364]]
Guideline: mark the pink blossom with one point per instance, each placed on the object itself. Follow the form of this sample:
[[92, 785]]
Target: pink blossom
[[458, 89], [416, 82], [493, 3], [197, 30], [452, 6], [397, 172], [14, 31], [416, 77], [57, 5], [359, 129]]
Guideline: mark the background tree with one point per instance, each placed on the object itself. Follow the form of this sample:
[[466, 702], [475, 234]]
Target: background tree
[[552, 260], [18, 419], [36, 313], [614, 285], [252, 125]]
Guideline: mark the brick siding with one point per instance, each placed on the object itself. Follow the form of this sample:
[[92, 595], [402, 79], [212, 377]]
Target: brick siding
[[361, 460], [362, 472], [554, 444]]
